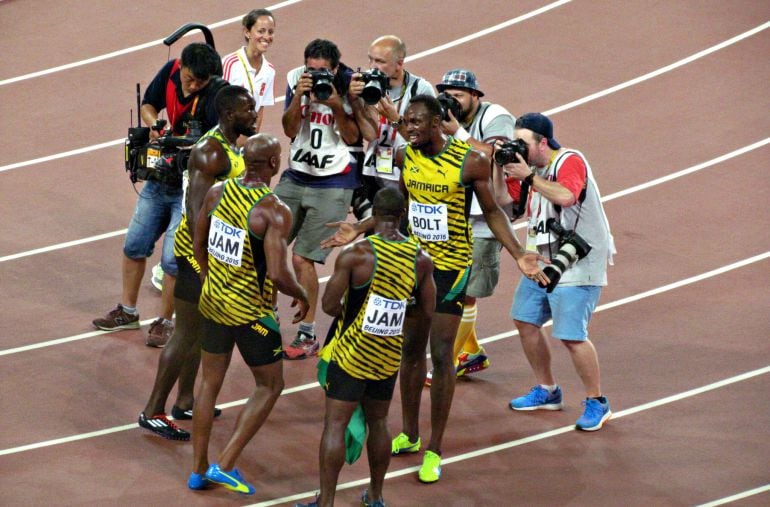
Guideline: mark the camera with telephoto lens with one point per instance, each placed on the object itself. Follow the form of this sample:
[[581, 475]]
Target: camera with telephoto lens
[[376, 85], [323, 82], [162, 160], [448, 103], [507, 151], [572, 248]]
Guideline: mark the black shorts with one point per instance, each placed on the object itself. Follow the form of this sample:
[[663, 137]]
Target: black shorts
[[450, 290], [188, 281], [258, 342], [343, 387]]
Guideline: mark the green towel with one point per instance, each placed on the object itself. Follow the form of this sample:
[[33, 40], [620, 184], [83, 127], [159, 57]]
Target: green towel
[[355, 433]]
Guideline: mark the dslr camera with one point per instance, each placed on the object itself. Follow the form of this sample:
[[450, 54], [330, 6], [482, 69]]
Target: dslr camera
[[506, 153], [164, 159], [448, 103], [323, 83], [572, 248], [376, 85]]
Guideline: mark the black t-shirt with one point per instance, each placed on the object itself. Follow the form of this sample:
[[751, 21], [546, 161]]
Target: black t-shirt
[[167, 83]]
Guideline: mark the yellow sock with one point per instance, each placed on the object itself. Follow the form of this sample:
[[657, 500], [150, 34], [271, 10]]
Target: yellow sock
[[466, 332]]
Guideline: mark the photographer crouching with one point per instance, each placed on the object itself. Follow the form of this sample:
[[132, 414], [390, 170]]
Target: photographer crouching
[[567, 225], [185, 87]]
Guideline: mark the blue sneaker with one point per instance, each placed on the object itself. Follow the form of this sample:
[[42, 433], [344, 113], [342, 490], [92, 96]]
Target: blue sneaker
[[365, 502], [595, 414], [538, 399], [231, 480], [197, 481], [314, 503]]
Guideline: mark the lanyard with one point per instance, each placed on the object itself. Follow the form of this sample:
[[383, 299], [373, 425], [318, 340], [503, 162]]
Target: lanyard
[[246, 69]]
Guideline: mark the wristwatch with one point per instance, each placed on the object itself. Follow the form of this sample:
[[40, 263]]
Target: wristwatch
[[530, 178], [396, 124]]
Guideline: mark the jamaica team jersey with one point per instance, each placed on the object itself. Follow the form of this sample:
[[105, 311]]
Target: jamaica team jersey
[[236, 290], [368, 334], [182, 238], [439, 204]]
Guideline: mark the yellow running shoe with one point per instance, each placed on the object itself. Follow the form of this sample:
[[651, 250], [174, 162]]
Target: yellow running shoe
[[402, 445], [430, 471]]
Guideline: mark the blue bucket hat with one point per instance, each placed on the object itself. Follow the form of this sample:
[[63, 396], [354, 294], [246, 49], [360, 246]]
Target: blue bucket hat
[[540, 124], [460, 78]]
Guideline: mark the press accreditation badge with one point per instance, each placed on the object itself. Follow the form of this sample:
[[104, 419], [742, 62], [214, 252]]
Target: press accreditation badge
[[531, 239], [226, 242], [384, 160], [384, 317], [429, 222], [153, 156]]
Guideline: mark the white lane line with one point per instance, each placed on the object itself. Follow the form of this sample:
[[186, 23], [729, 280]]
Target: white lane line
[[556, 110], [620, 302], [126, 51], [738, 496], [540, 436], [630, 190]]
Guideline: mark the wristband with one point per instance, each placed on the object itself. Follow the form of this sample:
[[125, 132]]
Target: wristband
[[461, 134], [530, 179]]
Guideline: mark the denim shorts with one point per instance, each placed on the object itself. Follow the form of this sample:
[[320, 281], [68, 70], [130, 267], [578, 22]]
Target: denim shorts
[[311, 209], [570, 308], [158, 210]]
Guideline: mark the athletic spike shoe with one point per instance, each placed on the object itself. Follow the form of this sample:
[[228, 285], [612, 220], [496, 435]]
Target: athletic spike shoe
[[303, 346], [231, 480], [430, 471], [365, 502], [402, 445], [180, 415], [160, 425], [472, 363], [197, 481]]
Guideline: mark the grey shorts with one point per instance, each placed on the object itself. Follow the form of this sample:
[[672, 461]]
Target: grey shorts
[[311, 209], [486, 268]]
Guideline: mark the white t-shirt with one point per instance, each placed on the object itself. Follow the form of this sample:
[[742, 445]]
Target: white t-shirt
[[238, 71]]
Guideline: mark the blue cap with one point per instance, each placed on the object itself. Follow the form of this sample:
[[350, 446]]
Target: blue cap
[[460, 78], [540, 124]]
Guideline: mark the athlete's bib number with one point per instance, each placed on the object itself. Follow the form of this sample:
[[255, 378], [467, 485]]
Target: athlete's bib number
[[384, 317], [429, 221], [226, 242]]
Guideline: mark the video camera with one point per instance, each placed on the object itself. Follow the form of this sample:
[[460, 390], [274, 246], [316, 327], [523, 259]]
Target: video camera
[[572, 248], [449, 103], [376, 85], [162, 160]]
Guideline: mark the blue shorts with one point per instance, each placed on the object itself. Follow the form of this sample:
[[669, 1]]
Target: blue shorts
[[570, 308], [158, 210]]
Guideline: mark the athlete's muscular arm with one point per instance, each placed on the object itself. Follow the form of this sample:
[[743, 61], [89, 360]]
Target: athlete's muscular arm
[[476, 173], [272, 220], [207, 160], [200, 228], [426, 286]]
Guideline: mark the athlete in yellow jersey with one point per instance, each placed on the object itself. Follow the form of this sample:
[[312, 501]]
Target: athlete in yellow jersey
[[213, 158], [240, 243], [376, 276], [439, 174]]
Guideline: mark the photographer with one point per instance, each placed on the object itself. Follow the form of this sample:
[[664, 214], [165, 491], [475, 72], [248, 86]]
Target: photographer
[[185, 88], [380, 123], [561, 189], [479, 124], [322, 174]]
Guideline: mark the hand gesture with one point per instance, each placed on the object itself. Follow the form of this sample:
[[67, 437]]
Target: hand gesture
[[528, 264], [302, 310], [346, 232], [451, 125]]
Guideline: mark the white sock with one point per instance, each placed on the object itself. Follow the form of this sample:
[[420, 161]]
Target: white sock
[[550, 389]]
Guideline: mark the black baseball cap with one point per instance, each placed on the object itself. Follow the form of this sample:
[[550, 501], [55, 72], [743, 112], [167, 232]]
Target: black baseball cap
[[540, 124]]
